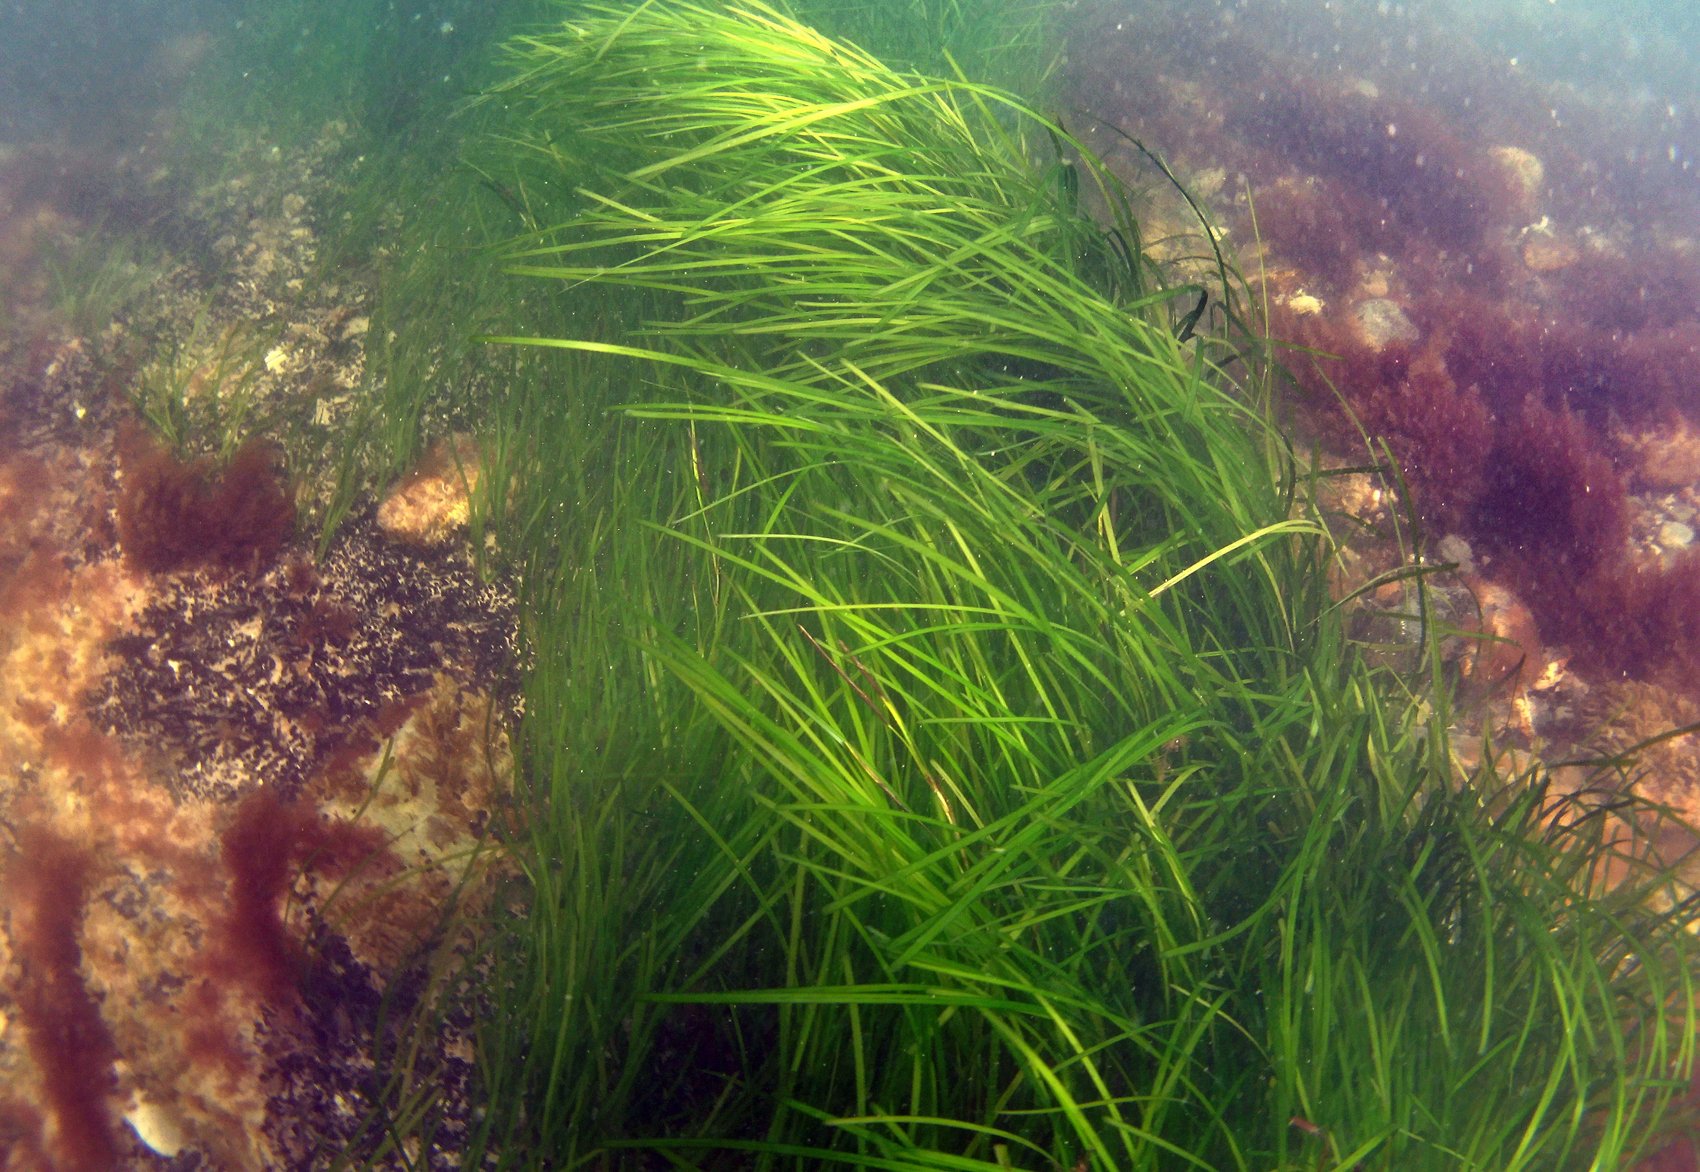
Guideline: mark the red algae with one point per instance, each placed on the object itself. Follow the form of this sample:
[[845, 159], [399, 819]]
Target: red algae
[[1554, 288], [258, 849], [1418, 174], [267, 841], [1552, 505], [48, 880], [175, 514]]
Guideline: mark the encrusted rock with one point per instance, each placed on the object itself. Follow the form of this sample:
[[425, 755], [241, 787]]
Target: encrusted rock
[[1380, 322], [1675, 535], [433, 503], [1453, 548], [1305, 304], [1526, 171]]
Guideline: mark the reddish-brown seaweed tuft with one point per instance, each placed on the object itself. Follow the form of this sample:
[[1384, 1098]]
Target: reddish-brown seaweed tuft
[[266, 843], [47, 881], [175, 514], [1425, 178]]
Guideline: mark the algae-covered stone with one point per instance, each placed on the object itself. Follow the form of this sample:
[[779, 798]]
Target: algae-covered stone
[[1380, 322]]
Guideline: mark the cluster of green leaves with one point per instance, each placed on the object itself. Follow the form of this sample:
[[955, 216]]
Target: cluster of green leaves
[[943, 751], [98, 275], [1008, 43], [199, 390]]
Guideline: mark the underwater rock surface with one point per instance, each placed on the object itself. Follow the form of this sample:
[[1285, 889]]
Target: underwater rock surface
[[247, 793]]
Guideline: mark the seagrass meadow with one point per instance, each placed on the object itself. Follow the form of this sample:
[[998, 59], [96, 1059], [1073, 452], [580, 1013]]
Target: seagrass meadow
[[940, 743], [943, 750]]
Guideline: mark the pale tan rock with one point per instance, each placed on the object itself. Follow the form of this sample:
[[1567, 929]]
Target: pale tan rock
[[433, 503], [1674, 535], [1375, 284], [1526, 172], [1305, 304], [429, 789], [1207, 184]]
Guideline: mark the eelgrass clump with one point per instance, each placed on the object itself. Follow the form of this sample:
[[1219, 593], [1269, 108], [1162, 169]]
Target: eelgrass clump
[[943, 751], [95, 277]]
